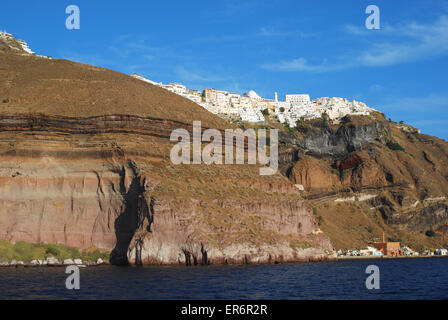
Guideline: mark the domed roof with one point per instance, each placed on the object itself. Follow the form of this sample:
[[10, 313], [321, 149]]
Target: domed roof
[[252, 94]]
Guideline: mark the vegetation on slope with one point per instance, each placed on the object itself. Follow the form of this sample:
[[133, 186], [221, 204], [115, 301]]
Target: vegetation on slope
[[26, 252]]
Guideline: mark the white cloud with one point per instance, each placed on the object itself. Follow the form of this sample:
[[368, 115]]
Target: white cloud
[[426, 112], [200, 79], [195, 76], [430, 122], [301, 64], [86, 58], [420, 42], [128, 46], [273, 32], [376, 87], [357, 30], [263, 32], [435, 101], [405, 43]]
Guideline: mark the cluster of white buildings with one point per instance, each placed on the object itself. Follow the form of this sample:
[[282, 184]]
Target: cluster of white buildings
[[300, 107], [7, 36], [22, 43], [250, 106], [50, 261], [369, 251], [438, 252], [176, 88], [407, 252]]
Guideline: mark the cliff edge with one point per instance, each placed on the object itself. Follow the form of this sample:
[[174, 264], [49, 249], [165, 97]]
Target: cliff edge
[[366, 175]]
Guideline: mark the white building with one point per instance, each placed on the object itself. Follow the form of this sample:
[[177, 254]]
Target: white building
[[194, 97], [216, 97], [370, 251], [22, 43], [249, 114], [297, 98], [250, 106], [24, 46], [5, 34], [176, 88], [252, 95], [140, 77]]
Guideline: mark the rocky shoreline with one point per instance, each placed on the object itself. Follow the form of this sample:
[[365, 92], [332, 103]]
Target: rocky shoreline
[[52, 262], [386, 257], [84, 264]]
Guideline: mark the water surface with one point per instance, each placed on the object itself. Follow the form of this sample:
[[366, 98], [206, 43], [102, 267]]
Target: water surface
[[423, 278]]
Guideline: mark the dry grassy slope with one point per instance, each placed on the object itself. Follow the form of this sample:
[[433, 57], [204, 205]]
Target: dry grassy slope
[[353, 225], [65, 88], [33, 85], [424, 162]]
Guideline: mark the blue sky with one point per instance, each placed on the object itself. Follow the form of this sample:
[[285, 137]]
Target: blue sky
[[317, 47]]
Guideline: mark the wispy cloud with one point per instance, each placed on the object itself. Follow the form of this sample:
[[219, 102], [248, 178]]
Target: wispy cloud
[[426, 112], [127, 53], [198, 78], [356, 30], [420, 42], [261, 33], [87, 58], [405, 43], [191, 76], [430, 122], [226, 11], [274, 32], [435, 101], [126, 46], [376, 87], [302, 64]]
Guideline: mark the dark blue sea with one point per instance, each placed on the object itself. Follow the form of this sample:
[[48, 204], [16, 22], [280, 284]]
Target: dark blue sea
[[423, 278]]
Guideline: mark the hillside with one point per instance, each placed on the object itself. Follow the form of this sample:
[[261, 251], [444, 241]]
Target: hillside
[[31, 84], [84, 161], [367, 175]]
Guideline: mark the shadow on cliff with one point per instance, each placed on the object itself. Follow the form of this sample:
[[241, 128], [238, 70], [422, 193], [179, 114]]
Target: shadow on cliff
[[130, 220]]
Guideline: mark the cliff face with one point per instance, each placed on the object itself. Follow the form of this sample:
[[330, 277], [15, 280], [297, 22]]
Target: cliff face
[[389, 176], [228, 231], [94, 191], [54, 200], [348, 137], [84, 160]]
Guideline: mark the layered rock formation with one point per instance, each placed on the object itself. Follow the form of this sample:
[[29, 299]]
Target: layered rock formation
[[228, 231], [84, 160], [392, 177]]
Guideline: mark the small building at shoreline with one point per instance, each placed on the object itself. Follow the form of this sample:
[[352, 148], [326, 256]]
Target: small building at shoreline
[[390, 249]]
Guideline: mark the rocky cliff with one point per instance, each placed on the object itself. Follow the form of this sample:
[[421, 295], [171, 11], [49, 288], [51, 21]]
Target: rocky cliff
[[366, 174], [84, 160]]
